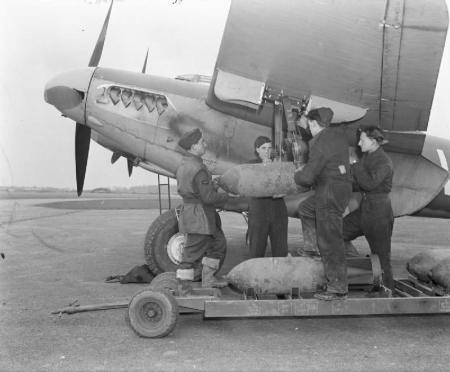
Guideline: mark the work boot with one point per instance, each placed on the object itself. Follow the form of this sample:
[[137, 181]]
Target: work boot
[[350, 250], [184, 288], [209, 280], [379, 292], [185, 278], [330, 296], [304, 253]]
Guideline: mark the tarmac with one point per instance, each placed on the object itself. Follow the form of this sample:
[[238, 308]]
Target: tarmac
[[56, 254]]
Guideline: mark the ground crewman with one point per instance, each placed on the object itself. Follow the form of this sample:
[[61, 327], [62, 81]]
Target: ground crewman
[[374, 217], [198, 219], [267, 216], [327, 171]]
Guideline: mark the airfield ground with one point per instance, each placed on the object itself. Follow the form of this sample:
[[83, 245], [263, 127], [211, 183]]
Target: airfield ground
[[55, 254]]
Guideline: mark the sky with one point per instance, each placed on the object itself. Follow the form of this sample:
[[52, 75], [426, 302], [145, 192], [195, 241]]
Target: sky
[[42, 38]]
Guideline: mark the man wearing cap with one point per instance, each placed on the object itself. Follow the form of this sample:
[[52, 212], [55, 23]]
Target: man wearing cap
[[374, 218], [198, 219], [267, 216], [327, 171]]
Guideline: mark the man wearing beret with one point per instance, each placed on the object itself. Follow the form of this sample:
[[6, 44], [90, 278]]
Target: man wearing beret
[[327, 171], [198, 219]]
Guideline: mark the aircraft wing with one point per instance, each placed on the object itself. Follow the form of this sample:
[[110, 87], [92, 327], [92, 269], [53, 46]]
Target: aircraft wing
[[380, 56]]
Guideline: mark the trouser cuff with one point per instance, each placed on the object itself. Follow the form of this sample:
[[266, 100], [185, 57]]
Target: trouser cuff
[[185, 274]]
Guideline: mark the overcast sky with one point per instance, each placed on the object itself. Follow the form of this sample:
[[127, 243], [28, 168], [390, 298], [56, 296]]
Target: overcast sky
[[41, 38]]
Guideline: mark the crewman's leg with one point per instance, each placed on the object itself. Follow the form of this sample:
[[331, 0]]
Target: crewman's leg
[[332, 250], [217, 248], [210, 267], [351, 226], [307, 213], [194, 248], [351, 229], [185, 277], [258, 231], [278, 230], [215, 252], [330, 205], [378, 231], [380, 244]]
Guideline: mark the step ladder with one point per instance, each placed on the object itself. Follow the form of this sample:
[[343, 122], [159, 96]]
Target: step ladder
[[164, 191]]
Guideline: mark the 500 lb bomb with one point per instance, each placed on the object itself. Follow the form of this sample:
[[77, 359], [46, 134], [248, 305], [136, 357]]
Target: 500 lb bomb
[[278, 275]]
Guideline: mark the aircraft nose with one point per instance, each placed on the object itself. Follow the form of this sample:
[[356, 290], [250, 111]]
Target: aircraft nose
[[68, 91]]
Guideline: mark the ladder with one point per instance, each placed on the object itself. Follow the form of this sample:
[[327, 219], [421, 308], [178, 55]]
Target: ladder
[[164, 187]]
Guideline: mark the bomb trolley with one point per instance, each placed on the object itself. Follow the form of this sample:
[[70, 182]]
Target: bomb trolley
[[153, 312]]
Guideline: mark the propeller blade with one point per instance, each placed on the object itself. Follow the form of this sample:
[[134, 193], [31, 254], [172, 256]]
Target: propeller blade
[[130, 167], [97, 53], [82, 143], [144, 67]]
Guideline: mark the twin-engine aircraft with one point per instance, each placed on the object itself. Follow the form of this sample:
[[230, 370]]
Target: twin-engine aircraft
[[372, 62]]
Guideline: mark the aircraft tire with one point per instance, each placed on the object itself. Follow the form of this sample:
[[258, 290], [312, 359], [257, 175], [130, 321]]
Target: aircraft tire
[[153, 314], [163, 228], [155, 248]]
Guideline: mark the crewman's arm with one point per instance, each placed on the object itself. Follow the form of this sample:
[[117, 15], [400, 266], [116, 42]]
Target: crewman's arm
[[308, 174], [206, 190], [368, 180]]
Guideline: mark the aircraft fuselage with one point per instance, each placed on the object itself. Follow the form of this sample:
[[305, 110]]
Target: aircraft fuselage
[[142, 117]]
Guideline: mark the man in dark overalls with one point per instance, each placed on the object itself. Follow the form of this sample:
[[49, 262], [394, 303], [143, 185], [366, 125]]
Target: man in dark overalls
[[374, 218], [198, 219], [327, 171]]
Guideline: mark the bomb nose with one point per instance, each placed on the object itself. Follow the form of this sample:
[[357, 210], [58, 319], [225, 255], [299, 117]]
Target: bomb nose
[[229, 181], [68, 91]]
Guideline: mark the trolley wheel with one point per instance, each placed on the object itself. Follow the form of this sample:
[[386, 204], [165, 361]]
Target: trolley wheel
[[165, 282], [153, 313]]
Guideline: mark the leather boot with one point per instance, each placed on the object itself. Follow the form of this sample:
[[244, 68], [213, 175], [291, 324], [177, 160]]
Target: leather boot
[[209, 280], [185, 278], [184, 288], [330, 296], [379, 292]]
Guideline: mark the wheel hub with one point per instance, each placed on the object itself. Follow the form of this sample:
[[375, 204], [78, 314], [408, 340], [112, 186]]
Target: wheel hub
[[175, 247], [152, 312]]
